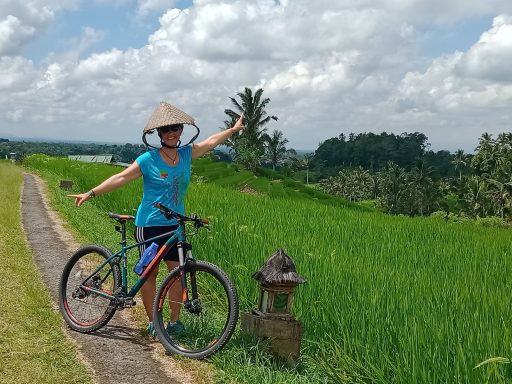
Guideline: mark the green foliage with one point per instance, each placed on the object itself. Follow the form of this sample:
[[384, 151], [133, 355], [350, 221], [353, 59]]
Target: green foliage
[[275, 149], [264, 181], [248, 145], [126, 153], [353, 184], [482, 191], [388, 299], [370, 151], [496, 222], [248, 154]]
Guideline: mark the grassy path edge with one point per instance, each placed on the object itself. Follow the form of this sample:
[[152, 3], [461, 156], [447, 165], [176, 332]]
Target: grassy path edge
[[72, 245], [33, 344]]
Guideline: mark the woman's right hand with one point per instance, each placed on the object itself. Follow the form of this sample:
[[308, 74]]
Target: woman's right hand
[[81, 198]]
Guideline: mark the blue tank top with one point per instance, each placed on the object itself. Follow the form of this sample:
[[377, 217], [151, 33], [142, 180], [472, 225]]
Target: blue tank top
[[164, 184]]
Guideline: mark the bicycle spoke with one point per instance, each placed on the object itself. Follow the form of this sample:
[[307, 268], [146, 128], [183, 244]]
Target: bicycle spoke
[[85, 308], [205, 320]]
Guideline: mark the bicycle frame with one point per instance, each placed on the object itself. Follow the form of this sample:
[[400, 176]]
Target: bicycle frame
[[178, 237]]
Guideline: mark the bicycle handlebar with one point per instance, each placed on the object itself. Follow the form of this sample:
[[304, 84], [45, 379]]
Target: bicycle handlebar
[[170, 214]]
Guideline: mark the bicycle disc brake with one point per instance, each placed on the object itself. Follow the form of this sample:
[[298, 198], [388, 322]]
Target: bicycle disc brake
[[194, 306]]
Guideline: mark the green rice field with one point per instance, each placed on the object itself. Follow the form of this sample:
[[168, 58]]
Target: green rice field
[[387, 299]]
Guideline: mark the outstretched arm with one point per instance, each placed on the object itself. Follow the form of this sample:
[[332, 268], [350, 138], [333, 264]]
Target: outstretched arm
[[216, 139], [113, 182]]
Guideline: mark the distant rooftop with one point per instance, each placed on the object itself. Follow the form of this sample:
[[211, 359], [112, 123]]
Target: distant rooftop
[[107, 159]]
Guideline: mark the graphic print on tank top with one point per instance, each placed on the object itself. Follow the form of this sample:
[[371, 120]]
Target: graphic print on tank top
[[175, 186]]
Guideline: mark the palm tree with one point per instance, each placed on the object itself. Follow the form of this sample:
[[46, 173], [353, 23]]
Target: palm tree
[[501, 194], [255, 116], [476, 196], [275, 148], [392, 187], [420, 184], [487, 155], [460, 161], [305, 162]]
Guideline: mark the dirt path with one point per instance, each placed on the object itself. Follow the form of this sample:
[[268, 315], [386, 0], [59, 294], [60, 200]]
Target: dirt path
[[118, 353]]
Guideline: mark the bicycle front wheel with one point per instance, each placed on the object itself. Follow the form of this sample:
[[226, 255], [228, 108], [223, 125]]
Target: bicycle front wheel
[[207, 319], [83, 310]]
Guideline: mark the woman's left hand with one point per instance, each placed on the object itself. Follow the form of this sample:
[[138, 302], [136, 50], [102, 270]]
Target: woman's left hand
[[239, 124]]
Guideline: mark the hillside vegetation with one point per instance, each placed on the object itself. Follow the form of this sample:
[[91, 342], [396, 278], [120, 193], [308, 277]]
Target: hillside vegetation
[[388, 299]]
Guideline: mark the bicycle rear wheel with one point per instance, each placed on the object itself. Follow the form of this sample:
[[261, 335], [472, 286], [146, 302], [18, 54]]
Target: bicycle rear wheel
[[83, 310], [209, 316]]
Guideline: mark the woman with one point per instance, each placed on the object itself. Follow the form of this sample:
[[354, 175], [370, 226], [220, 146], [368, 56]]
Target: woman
[[166, 174]]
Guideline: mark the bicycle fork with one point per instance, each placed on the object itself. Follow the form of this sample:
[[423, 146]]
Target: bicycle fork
[[191, 305]]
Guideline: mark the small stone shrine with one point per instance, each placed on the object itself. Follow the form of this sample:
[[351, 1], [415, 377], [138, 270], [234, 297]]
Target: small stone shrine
[[66, 184], [273, 318]]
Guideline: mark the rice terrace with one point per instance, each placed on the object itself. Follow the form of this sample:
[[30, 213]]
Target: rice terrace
[[255, 192], [388, 299]]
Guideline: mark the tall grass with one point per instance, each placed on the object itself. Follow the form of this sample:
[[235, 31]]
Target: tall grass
[[32, 346], [388, 299]]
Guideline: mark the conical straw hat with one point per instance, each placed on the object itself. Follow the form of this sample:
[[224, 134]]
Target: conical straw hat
[[167, 114]]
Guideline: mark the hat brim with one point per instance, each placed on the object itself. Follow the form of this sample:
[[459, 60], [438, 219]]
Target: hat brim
[[167, 114]]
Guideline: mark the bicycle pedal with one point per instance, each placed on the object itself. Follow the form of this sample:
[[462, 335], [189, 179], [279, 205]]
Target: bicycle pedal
[[129, 302]]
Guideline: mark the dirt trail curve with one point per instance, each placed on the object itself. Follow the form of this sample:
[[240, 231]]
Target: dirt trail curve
[[117, 353]]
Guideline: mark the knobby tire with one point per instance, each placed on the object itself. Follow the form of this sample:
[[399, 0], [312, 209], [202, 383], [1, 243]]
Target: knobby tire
[[219, 311], [80, 312]]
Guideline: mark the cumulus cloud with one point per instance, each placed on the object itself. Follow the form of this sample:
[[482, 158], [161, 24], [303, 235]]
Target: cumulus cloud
[[12, 34], [329, 67], [480, 77], [16, 75], [20, 21], [490, 58], [469, 92]]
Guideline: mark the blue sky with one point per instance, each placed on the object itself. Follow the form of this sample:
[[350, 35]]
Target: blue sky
[[458, 36], [120, 25], [329, 67]]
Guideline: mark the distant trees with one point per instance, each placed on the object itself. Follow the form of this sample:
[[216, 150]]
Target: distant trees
[[370, 151], [395, 190], [353, 184], [126, 153], [479, 185]]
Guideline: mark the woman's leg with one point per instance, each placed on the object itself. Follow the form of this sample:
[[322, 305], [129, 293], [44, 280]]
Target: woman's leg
[[174, 293], [148, 291]]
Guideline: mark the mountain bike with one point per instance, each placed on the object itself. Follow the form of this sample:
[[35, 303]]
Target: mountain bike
[[94, 284]]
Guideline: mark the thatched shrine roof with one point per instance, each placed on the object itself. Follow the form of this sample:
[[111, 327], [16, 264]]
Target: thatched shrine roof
[[279, 269]]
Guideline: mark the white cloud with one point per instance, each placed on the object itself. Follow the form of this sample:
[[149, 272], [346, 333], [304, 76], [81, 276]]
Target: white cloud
[[12, 34], [468, 92], [490, 58], [20, 21], [17, 75], [480, 77], [145, 7], [328, 67]]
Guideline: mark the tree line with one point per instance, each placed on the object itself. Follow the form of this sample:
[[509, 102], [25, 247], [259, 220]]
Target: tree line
[[480, 184], [398, 172], [373, 151], [125, 153]]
